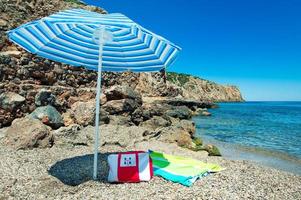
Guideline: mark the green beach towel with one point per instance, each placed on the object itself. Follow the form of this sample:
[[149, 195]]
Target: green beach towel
[[180, 169]]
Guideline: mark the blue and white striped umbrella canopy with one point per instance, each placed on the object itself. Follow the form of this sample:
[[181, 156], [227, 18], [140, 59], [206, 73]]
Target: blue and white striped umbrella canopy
[[70, 37]]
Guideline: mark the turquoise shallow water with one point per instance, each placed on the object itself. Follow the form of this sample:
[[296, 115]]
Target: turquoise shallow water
[[266, 129]]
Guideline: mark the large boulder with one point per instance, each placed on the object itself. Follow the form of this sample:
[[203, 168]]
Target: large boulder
[[84, 113], [174, 134], [187, 125], [147, 111], [156, 122], [137, 116], [48, 115], [123, 92], [150, 110], [121, 106], [28, 133], [10, 100], [181, 112]]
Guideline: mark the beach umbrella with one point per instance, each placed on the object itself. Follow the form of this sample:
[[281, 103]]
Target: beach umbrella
[[101, 42]]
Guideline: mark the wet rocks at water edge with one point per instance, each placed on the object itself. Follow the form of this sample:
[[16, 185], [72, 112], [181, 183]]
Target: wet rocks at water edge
[[181, 112], [212, 150], [198, 142], [173, 134], [191, 104], [205, 113], [198, 145], [187, 125]]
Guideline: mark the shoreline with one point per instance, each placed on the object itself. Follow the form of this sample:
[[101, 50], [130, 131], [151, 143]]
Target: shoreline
[[274, 159], [286, 158]]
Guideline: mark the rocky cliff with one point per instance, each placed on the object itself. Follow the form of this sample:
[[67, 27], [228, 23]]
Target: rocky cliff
[[200, 89], [176, 85]]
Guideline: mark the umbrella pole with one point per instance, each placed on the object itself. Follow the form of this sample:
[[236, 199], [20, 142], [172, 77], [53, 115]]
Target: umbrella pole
[[97, 129]]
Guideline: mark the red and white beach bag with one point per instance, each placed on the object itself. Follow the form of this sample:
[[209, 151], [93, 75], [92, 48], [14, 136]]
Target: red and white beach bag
[[133, 166]]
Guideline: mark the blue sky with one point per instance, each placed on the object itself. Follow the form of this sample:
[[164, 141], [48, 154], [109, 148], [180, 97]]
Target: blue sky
[[254, 44]]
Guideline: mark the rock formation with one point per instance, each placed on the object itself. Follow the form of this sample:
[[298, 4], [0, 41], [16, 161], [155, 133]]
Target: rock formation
[[200, 89], [27, 133]]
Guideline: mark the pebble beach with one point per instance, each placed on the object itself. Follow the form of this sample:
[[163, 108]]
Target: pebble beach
[[66, 173]]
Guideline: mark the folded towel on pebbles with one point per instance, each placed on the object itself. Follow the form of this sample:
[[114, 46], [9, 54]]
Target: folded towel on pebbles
[[181, 169]]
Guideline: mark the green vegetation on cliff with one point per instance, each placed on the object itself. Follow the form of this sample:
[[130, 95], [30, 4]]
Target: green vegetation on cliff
[[176, 78], [181, 78], [194, 87]]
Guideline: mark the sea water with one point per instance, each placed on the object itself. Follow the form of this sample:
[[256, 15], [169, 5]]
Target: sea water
[[264, 132]]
